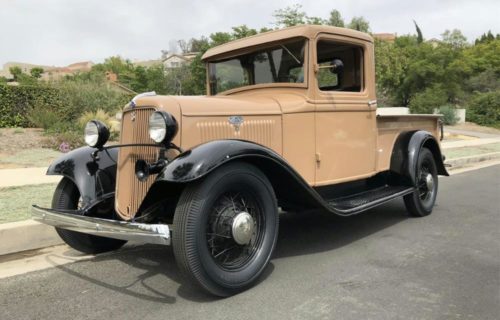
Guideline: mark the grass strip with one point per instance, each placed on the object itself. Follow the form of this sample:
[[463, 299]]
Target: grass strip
[[15, 202]]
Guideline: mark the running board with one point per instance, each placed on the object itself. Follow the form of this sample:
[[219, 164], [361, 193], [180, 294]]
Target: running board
[[123, 230], [366, 200]]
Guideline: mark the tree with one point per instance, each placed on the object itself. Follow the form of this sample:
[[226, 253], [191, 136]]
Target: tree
[[485, 81], [454, 38], [242, 32], [36, 72], [428, 100], [315, 20], [219, 38], [290, 16], [360, 24], [123, 68], [335, 19], [265, 29], [420, 37], [199, 45], [15, 72], [486, 37], [184, 45]]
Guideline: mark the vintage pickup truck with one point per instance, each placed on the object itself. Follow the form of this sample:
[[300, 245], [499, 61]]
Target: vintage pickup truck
[[289, 121]]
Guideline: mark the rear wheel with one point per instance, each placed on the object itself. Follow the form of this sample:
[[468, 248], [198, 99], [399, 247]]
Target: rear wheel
[[225, 229], [421, 202], [67, 197]]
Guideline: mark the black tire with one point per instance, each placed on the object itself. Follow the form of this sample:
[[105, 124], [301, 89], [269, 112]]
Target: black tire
[[67, 197], [204, 247], [421, 202]]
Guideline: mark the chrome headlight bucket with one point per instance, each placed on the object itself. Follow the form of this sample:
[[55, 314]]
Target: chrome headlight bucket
[[162, 127], [96, 134]]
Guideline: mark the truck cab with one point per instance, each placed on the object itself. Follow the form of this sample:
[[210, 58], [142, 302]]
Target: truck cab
[[289, 121]]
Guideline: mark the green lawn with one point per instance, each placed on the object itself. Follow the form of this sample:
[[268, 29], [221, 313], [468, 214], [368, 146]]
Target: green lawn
[[471, 151], [15, 202]]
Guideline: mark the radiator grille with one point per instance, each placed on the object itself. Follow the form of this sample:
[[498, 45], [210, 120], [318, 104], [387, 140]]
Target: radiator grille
[[130, 192]]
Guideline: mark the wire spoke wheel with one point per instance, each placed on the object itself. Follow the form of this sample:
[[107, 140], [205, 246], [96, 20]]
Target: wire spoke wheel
[[425, 182], [226, 228], [234, 229], [421, 202]]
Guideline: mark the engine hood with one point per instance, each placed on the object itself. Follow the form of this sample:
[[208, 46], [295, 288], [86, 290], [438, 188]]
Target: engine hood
[[226, 106], [249, 103]]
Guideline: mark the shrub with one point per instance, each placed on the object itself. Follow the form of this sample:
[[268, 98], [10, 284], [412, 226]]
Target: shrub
[[85, 96], [449, 115], [17, 101], [67, 139], [428, 100], [43, 117], [484, 109], [97, 115]]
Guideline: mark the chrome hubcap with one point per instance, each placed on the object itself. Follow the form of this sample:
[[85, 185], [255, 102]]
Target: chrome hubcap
[[243, 228], [429, 182]]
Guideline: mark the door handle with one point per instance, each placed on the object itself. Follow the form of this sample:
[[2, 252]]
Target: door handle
[[372, 102]]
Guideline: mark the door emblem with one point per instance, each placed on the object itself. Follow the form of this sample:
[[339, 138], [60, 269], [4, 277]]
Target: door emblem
[[236, 122]]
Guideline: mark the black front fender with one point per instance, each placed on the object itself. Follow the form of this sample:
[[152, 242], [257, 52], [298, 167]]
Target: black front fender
[[202, 159], [94, 178]]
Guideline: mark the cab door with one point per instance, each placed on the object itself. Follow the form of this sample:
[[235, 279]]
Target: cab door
[[346, 125]]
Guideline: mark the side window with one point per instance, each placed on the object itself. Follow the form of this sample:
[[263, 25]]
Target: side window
[[340, 66]]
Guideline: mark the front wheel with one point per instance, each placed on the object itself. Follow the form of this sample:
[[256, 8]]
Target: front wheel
[[67, 197], [421, 202], [225, 228]]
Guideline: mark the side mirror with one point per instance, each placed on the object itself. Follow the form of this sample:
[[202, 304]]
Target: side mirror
[[337, 66]]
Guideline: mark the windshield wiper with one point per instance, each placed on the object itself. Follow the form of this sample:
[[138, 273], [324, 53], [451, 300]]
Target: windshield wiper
[[290, 53]]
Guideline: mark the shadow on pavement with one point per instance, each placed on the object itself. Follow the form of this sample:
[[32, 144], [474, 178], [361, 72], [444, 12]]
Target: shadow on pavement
[[305, 233], [301, 233]]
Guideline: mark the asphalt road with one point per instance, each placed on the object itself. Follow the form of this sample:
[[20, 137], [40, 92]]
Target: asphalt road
[[378, 265]]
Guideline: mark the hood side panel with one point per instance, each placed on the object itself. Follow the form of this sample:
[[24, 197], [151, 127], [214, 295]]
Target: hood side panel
[[261, 129]]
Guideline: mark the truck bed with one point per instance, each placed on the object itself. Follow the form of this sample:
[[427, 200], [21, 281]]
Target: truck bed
[[390, 126]]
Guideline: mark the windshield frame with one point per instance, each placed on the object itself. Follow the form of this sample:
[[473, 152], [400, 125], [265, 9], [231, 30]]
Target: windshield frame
[[233, 54]]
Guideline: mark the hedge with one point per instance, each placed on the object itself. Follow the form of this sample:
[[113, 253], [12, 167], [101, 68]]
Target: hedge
[[484, 109], [17, 101], [66, 102]]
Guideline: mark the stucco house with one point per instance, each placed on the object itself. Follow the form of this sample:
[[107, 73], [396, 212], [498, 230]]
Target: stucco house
[[175, 60]]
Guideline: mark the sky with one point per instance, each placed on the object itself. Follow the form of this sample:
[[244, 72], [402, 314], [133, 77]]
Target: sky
[[60, 32]]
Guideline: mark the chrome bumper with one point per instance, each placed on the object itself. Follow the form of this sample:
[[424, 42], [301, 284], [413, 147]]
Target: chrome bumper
[[149, 233]]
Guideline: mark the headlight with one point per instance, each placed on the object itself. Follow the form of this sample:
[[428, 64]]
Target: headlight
[[96, 133], [162, 127]]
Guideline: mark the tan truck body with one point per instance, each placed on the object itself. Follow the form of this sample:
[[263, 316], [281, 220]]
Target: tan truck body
[[289, 120]]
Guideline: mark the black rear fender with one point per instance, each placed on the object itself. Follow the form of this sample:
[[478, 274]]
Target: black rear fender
[[406, 151]]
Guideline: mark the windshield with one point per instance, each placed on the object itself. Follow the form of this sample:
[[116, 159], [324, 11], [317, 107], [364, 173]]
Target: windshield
[[281, 63]]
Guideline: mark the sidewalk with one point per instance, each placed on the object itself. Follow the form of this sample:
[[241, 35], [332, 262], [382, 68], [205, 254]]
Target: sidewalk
[[468, 143], [25, 176]]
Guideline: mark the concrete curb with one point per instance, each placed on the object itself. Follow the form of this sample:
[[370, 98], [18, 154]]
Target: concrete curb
[[26, 235], [464, 161], [30, 235]]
